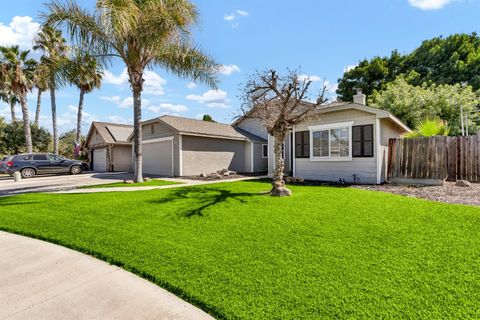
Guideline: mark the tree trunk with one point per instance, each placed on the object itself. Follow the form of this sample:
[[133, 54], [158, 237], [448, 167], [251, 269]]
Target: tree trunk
[[54, 119], [12, 111], [39, 104], [26, 124], [79, 116], [278, 184], [136, 80]]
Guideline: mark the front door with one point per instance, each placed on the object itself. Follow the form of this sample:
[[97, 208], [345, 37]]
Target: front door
[[56, 163], [42, 163]]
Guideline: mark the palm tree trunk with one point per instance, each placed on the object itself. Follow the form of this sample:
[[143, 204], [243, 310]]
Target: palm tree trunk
[[79, 116], [12, 110], [26, 124], [137, 133], [54, 120], [39, 104]]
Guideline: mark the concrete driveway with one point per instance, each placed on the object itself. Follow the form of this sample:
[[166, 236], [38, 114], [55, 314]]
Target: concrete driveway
[[40, 280], [57, 182]]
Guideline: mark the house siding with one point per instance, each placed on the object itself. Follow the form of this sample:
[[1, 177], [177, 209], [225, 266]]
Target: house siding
[[364, 168], [253, 126], [207, 155], [260, 164]]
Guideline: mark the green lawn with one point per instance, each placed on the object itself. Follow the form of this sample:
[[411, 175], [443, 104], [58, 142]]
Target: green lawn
[[324, 253], [153, 182]]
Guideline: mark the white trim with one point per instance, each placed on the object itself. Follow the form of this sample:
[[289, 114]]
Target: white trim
[[157, 140], [328, 127], [263, 156], [173, 159], [252, 158], [294, 163], [180, 155], [378, 150]]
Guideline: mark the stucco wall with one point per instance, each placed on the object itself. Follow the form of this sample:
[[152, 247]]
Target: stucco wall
[[207, 155], [364, 168], [122, 158]]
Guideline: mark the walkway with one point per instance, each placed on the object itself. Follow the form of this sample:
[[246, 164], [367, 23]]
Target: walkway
[[40, 280]]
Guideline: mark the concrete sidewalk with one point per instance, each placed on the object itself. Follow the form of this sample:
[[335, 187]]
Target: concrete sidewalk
[[40, 280]]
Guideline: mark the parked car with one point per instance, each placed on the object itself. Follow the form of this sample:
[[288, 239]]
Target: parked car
[[32, 164], [3, 163]]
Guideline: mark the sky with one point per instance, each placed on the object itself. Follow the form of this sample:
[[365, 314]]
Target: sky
[[319, 38]]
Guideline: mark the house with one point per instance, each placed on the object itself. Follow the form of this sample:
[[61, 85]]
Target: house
[[341, 142], [108, 147], [178, 146]]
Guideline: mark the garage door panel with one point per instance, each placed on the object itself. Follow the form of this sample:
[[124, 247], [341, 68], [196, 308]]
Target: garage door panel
[[100, 160], [157, 158]]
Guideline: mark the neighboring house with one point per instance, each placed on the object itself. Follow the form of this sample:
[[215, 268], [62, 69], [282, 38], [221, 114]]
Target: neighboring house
[[347, 141], [108, 146], [177, 146]]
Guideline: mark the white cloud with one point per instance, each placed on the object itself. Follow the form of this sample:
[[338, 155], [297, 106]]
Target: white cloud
[[154, 83], [211, 98], [242, 13], [349, 67], [229, 17], [114, 99], [228, 69], [119, 119], [429, 4], [191, 85], [110, 78], [168, 107], [312, 78], [21, 31], [234, 16]]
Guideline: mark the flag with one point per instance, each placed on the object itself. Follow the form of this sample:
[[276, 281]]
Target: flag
[[76, 149]]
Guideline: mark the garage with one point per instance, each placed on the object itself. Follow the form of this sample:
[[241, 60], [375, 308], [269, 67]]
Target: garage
[[158, 157], [100, 160]]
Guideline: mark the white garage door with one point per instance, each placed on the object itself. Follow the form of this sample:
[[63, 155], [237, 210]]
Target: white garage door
[[157, 158], [100, 160]]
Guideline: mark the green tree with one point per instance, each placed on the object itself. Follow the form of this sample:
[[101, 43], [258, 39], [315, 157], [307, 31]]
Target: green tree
[[54, 48], [17, 74], [83, 71], [412, 104], [66, 143], [451, 60], [429, 128], [12, 140], [207, 117], [142, 34]]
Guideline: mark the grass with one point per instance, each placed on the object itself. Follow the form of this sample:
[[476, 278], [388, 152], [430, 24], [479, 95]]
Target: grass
[[153, 182], [324, 253]]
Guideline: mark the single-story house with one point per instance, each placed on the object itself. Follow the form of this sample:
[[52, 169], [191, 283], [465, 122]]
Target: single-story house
[[341, 142], [178, 146], [108, 147]]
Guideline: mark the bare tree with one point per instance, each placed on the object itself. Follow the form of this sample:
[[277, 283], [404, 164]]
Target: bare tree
[[279, 102]]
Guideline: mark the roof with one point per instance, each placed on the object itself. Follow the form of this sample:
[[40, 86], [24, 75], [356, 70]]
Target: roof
[[189, 126], [250, 136], [112, 133]]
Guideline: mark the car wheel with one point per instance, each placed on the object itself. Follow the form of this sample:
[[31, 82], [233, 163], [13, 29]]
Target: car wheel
[[27, 173], [76, 170]]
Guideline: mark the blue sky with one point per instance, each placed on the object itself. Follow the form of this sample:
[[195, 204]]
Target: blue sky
[[321, 38]]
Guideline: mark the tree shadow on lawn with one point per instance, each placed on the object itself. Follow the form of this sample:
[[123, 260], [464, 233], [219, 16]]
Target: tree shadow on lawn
[[204, 199]]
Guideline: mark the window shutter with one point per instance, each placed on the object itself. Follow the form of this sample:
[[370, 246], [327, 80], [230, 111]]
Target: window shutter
[[357, 141], [302, 144], [362, 137]]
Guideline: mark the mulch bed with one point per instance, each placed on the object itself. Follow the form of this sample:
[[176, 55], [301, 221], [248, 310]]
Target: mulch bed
[[447, 193]]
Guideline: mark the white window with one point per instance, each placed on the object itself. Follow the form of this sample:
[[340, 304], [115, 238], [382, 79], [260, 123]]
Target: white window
[[264, 151], [331, 142]]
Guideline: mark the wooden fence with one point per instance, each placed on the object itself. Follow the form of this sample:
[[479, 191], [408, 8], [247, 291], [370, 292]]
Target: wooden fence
[[433, 158]]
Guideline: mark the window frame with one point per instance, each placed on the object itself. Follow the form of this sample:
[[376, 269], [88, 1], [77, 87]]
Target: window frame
[[362, 141], [263, 149], [325, 127]]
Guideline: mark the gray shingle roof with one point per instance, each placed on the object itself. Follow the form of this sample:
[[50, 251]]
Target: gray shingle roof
[[113, 132], [200, 127]]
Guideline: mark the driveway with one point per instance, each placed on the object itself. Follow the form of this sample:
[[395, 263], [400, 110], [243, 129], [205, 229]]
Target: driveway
[[57, 182], [40, 280]]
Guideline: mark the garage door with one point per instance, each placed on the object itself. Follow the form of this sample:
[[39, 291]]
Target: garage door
[[100, 160], [157, 158]]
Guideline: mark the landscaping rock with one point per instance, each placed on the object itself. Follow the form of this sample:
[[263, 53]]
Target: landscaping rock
[[222, 171], [128, 181], [147, 179], [289, 179], [281, 192], [462, 183], [299, 179], [217, 176], [226, 174], [203, 175], [232, 172]]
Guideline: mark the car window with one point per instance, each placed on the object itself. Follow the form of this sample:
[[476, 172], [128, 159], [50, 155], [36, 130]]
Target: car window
[[53, 157], [39, 157], [25, 158]]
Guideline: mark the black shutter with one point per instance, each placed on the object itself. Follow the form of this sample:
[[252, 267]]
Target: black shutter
[[362, 141], [302, 144]]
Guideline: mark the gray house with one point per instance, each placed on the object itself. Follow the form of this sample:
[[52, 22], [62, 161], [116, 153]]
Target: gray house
[[177, 146], [108, 147]]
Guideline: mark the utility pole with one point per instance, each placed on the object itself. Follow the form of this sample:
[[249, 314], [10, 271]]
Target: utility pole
[[461, 120]]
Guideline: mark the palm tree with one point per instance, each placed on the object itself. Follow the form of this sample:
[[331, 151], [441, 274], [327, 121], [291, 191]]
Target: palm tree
[[142, 34], [84, 72], [17, 73], [8, 97], [41, 82], [54, 48]]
